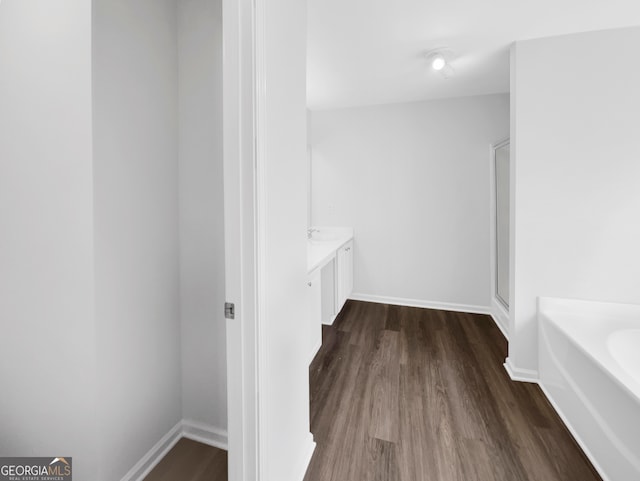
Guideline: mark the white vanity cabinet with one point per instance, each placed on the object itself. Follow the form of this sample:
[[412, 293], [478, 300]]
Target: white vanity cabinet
[[314, 296], [344, 275], [330, 280]]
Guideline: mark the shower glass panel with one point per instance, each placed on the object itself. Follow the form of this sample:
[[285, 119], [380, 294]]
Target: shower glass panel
[[502, 223]]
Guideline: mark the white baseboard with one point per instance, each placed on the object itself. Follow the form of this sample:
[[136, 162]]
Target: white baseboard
[[154, 455], [519, 374], [195, 431], [205, 433], [315, 350], [400, 301], [304, 462], [501, 318], [329, 320]]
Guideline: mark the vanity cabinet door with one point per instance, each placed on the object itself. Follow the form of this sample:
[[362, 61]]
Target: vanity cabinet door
[[344, 275], [315, 312]]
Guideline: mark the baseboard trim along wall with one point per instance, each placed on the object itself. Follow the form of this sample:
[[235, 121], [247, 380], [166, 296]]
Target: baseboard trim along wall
[[205, 434], [154, 455], [519, 374], [500, 317], [195, 431], [314, 351], [496, 320], [400, 301], [304, 462], [329, 320]]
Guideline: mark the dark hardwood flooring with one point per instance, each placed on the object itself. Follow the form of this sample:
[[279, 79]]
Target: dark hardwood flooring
[[191, 461], [408, 394]]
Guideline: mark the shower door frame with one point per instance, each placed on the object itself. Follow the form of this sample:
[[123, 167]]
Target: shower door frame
[[499, 308]]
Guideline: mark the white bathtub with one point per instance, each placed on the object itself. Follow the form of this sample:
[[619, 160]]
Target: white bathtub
[[589, 365]]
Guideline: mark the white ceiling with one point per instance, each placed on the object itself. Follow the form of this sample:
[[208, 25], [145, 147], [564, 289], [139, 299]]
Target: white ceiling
[[366, 52]]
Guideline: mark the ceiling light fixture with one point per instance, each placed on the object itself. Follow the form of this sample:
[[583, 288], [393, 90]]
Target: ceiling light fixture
[[438, 62]]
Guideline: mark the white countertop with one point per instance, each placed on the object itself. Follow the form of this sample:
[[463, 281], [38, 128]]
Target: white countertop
[[324, 244]]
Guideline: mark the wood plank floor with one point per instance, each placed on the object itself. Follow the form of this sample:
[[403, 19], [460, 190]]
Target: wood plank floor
[[408, 394], [191, 461]]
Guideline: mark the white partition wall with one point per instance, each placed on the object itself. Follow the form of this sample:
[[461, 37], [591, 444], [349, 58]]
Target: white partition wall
[[575, 147]]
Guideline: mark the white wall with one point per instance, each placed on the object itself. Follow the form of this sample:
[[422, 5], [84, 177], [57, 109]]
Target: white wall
[[576, 147], [47, 341], [204, 390], [136, 227], [89, 206], [413, 181], [282, 189]]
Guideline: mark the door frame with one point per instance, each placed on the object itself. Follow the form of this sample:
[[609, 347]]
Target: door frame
[[243, 71]]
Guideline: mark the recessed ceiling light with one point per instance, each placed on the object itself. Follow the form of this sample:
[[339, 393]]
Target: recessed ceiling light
[[440, 59], [438, 62]]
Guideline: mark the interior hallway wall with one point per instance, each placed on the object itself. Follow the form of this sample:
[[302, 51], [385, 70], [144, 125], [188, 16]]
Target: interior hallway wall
[[576, 151], [413, 181], [135, 101], [202, 288], [90, 256], [47, 324]]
